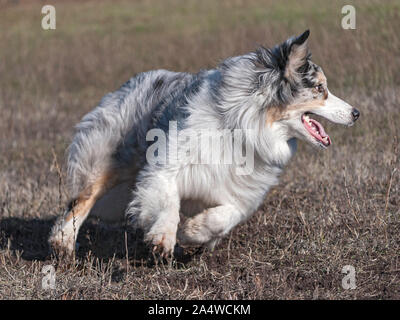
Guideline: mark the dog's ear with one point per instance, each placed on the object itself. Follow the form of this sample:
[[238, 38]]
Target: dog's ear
[[297, 55], [288, 58]]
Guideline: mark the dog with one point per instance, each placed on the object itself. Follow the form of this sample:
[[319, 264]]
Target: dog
[[271, 96]]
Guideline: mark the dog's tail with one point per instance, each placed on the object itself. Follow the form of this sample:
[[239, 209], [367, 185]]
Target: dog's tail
[[113, 134], [90, 153], [94, 151]]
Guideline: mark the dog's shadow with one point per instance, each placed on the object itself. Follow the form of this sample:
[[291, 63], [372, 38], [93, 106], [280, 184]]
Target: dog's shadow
[[29, 236]]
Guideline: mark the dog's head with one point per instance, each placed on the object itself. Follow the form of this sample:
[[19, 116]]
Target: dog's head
[[295, 89]]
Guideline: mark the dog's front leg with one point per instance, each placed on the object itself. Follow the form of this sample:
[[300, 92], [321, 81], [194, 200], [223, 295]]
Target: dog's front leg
[[210, 225], [155, 208]]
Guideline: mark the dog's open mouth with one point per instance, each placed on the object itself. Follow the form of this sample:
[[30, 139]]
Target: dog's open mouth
[[315, 129]]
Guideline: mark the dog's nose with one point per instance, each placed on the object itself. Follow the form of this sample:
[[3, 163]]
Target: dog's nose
[[355, 113]]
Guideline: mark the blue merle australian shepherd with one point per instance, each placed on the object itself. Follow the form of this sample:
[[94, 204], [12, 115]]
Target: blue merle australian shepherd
[[270, 95]]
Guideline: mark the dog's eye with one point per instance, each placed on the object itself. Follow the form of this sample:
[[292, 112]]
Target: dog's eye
[[320, 88]]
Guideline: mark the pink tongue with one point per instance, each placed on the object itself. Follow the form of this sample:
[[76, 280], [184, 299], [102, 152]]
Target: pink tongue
[[320, 128]]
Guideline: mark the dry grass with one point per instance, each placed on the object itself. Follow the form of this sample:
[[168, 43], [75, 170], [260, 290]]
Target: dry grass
[[331, 208]]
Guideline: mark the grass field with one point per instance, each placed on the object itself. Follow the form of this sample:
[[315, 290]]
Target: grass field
[[333, 208]]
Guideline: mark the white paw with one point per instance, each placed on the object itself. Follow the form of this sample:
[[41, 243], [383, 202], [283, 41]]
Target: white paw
[[213, 243], [194, 232], [61, 242], [163, 241]]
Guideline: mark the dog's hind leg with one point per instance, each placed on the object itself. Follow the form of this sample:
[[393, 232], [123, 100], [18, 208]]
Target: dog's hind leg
[[209, 226], [65, 231]]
